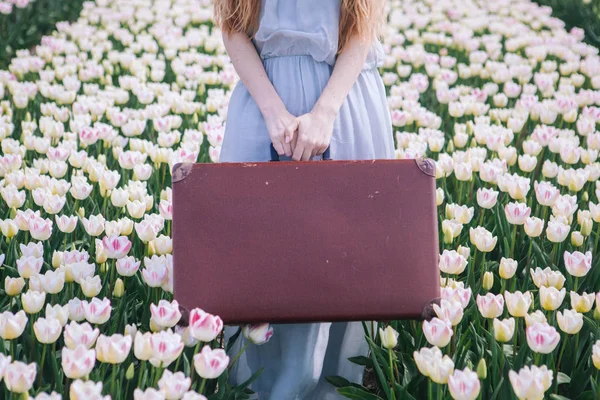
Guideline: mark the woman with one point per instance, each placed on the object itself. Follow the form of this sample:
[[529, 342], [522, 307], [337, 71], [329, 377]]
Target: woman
[[308, 80]]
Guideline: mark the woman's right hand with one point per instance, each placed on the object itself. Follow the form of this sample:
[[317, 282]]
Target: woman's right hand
[[282, 127]]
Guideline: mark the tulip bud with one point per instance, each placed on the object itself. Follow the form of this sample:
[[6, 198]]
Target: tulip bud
[[13, 213], [488, 280], [130, 372], [103, 268], [81, 212], [439, 196], [585, 197], [586, 226], [119, 288], [201, 89], [482, 369], [507, 268], [57, 258], [596, 314], [13, 286], [151, 248], [576, 239], [389, 337]]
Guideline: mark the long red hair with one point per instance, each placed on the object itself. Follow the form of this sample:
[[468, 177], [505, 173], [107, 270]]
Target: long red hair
[[357, 17]]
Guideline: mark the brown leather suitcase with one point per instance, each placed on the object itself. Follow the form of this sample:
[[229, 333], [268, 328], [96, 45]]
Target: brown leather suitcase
[[308, 241]]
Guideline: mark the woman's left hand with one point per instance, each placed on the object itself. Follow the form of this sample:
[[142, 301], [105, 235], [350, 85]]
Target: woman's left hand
[[313, 135]]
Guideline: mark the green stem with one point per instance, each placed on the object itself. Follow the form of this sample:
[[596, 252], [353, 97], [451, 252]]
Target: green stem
[[392, 377], [513, 240], [429, 389], [553, 254], [597, 238], [201, 390], [515, 334], [41, 372], [142, 372], [528, 266], [576, 350], [113, 379], [562, 350], [238, 355]]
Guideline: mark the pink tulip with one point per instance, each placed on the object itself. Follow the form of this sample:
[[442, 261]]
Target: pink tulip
[[517, 213], [166, 314], [542, 338], [577, 263], [459, 294], [77, 363], [4, 362], [531, 382], [487, 198], [204, 326], [464, 385], [40, 229], [86, 390], [116, 246], [97, 311], [174, 385], [80, 334], [166, 347], [451, 262], [19, 376], [209, 363], [490, 305], [113, 349], [76, 312], [28, 266], [258, 333], [437, 332], [546, 193], [155, 274], [127, 266]]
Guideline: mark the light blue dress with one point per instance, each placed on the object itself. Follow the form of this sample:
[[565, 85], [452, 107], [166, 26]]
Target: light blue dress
[[298, 40]]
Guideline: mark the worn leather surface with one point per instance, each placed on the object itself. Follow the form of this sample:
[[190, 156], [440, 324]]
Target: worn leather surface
[[310, 241]]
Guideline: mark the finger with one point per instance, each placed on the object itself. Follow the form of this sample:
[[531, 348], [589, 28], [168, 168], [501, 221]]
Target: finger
[[278, 147], [291, 130], [287, 147], [298, 151], [322, 150], [306, 156]]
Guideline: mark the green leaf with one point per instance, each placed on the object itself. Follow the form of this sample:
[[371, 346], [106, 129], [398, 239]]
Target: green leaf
[[361, 360], [497, 389], [232, 339], [558, 397], [357, 394], [338, 381], [380, 375], [251, 379]]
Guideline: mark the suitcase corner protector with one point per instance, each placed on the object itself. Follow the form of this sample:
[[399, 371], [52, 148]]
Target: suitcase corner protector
[[428, 311], [426, 165], [181, 171]]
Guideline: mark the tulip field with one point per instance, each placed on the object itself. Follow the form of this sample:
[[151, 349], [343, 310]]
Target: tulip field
[[93, 118]]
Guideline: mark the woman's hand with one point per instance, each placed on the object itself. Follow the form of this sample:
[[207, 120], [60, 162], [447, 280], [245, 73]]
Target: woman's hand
[[314, 134], [280, 123], [282, 127]]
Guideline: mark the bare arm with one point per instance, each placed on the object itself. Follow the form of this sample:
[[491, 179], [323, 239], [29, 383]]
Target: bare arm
[[316, 127], [248, 65]]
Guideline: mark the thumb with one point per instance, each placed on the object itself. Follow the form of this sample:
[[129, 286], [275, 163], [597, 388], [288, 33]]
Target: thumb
[[290, 130]]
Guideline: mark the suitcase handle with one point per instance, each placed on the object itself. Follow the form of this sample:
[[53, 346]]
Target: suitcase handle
[[275, 155]]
